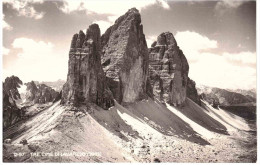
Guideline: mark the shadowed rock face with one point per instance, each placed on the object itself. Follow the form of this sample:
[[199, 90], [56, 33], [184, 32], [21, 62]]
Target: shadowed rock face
[[11, 113], [31, 90], [125, 58], [86, 81], [192, 92], [168, 69]]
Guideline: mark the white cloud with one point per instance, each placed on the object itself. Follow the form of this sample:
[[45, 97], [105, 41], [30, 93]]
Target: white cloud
[[225, 5], [5, 51], [5, 25], [113, 7], [112, 18], [164, 4], [24, 8], [214, 70], [229, 3], [150, 40], [30, 12], [193, 43], [103, 25], [31, 48], [217, 70], [38, 61], [247, 58]]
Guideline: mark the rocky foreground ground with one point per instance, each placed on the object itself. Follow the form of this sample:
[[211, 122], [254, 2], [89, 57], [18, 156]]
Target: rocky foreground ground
[[126, 138]]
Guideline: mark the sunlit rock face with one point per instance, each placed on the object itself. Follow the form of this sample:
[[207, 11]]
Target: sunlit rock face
[[168, 69], [125, 58], [86, 80]]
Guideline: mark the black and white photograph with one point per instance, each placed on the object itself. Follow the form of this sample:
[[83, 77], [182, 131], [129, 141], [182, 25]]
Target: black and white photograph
[[129, 81]]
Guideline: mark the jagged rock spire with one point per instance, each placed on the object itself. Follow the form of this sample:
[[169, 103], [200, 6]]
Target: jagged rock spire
[[125, 57], [168, 69], [86, 80]]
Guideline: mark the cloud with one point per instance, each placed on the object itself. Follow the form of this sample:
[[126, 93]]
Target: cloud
[[225, 70], [31, 13], [5, 25], [164, 4], [37, 61], [25, 8], [31, 48], [5, 51], [103, 25], [229, 3], [113, 7], [224, 5], [193, 43], [214, 70], [150, 40], [242, 58]]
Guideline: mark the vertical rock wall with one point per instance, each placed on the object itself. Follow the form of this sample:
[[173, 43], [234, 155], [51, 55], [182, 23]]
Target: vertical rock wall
[[125, 58], [119, 66], [86, 81], [168, 70]]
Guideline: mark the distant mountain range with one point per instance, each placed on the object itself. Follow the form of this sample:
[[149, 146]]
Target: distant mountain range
[[56, 85], [227, 97], [250, 92]]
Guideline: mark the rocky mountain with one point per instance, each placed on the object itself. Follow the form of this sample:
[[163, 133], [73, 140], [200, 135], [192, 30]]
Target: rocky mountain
[[168, 68], [125, 58], [223, 97], [86, 80], [11, 113], [21, 104], [249, 93], [118, 65], [153, 110], [40, 93]]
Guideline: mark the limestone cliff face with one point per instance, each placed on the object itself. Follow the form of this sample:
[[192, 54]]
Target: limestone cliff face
[[86, 81], [168, 69], [125, 58], [118, 65]]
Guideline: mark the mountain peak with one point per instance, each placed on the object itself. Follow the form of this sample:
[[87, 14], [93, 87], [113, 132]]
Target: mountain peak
[[166, 38]]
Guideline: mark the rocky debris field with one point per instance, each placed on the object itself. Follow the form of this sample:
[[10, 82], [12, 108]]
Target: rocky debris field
[[118, 135]]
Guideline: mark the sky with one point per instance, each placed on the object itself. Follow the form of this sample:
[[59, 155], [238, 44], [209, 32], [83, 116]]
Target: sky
[[217, 37]]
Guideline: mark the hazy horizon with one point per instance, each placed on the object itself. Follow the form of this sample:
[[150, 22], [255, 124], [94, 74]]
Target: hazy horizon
[[217, 37]]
